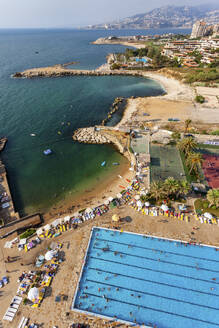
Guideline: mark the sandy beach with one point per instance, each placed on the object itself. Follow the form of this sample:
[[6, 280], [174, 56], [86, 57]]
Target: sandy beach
[[75, 242]]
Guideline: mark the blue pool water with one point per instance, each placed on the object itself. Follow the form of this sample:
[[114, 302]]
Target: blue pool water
[[151, 281]]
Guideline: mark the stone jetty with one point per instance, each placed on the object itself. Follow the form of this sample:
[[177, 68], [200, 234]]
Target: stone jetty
[[60, 71], [90, 135]]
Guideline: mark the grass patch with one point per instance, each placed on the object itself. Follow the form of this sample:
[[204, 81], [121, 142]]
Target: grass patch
[[201, 206], [27, 233], [208, 146]]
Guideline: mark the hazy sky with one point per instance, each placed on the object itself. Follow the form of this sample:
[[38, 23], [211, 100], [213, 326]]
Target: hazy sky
[[72, 13]]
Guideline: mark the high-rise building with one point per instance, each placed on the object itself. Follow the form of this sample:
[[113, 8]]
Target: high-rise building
[[198, 29]]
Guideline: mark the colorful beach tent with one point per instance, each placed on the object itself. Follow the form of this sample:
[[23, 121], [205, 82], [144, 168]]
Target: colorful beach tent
[[164, 207], [208, 215]]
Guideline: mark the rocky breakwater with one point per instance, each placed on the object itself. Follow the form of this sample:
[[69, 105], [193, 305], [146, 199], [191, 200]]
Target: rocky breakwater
[[90, 135]]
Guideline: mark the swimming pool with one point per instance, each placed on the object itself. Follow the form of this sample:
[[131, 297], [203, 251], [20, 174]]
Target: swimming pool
[[151, 281]]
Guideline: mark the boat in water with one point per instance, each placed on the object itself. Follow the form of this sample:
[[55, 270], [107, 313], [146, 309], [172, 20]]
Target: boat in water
[[103, 163], [33, 135], [115, 163], [47, 152]]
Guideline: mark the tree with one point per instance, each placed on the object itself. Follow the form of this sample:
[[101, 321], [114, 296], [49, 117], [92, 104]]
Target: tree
[[186, 145], [184, 188], [213, 197], [157, 190], [187, 124], [194, 161], [171, 186]]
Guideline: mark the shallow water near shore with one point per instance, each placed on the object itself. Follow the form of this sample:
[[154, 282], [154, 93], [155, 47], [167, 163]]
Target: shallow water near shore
[[52, 109]]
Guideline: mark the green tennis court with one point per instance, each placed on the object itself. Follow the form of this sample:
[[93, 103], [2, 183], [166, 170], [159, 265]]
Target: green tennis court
[[165, 162]]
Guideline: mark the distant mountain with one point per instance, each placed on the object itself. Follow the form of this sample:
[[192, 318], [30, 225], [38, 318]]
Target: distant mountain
[[167, 16]]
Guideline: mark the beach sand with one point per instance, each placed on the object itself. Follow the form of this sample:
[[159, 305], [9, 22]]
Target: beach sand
[[51, 313]]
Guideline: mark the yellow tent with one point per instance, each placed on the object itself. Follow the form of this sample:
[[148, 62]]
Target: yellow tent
[[115, 218]]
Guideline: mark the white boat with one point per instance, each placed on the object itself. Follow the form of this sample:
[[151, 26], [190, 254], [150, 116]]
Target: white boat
[[33, 135]]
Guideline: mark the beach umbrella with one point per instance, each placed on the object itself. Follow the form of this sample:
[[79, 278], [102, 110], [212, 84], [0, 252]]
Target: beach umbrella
[[137, 197], [49, 255], [110, 199], [164, 208], [106, 202], [47, 227], [56, 222], [119, 195], [39, 231], [33, 294], [89, 210], [23, 241], [147, 204], [67, 218], [115, 218], [139, 203], [208, 215]]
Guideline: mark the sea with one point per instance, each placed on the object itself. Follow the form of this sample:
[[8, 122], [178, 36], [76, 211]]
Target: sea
[[53, 108]]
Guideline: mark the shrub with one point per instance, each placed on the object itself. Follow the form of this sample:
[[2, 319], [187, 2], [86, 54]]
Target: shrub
[[27, 233], [200, 99], [215, 133], [115, 66]]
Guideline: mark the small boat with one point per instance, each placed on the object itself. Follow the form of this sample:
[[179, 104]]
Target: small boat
[[115, 163], [47, 152], [103, 163], [33, 135]]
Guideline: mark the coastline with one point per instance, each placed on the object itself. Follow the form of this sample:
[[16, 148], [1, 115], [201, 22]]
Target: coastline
[[174, 90]]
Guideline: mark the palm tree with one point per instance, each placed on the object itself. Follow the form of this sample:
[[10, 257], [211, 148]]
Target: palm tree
[[186, 145], [187, 124], [194, 161], [157, 190], [184, 188], [213, 197], [171, 186]]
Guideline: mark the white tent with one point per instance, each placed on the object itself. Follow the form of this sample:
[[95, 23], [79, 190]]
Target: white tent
[[208, 215], [56, 222], [147, 204], [137, 197], [46, 227], [106, 202], [139, 203], [23, 241], [33, 293], [67, 218], [119, 195], [49, 255], [164, 207], [39, 231], [110, 199]]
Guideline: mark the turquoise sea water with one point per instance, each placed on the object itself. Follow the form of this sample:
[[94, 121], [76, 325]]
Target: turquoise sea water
[[46, 106]]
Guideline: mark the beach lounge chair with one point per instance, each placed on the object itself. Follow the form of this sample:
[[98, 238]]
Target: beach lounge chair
[[23, 323]]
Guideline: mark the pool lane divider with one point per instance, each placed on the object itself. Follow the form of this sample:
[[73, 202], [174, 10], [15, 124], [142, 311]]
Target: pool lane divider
[[150, 294], [154, 309], [149, 269], [158, 250], [155, 282]]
